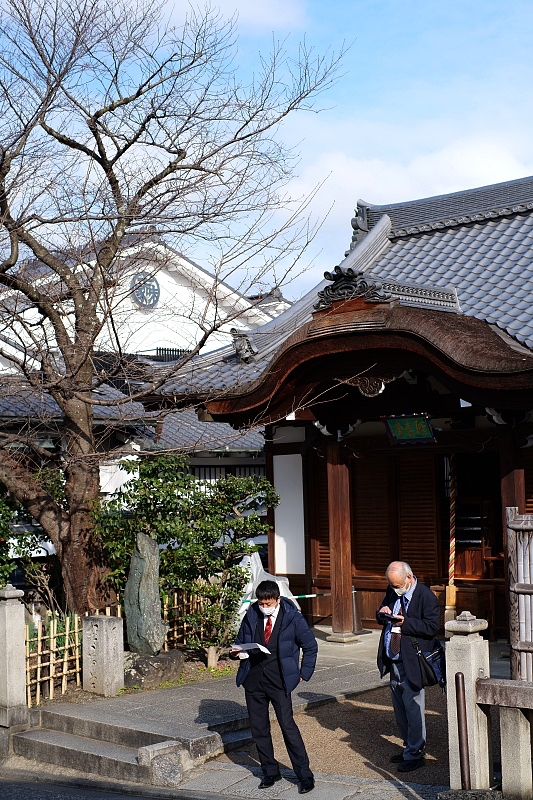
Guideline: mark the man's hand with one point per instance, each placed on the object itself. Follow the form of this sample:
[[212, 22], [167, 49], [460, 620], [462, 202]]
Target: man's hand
[[398, 619]]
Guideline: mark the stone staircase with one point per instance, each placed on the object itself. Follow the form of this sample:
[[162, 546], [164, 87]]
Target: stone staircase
[[117, 752]]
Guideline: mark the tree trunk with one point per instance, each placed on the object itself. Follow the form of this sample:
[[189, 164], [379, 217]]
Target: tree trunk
[[81, 557]]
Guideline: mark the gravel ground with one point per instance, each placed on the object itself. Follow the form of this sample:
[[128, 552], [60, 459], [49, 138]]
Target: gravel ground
[[357, 737]]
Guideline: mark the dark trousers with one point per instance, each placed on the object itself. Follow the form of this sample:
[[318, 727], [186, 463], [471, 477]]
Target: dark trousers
[[258, 703]]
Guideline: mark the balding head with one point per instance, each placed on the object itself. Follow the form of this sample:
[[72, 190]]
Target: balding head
[[399, 568], [400, 576]]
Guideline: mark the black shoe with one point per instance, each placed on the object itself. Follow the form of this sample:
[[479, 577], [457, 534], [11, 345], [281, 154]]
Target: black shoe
[[397, 759], [409, 766], [306, 785], [269, 781]]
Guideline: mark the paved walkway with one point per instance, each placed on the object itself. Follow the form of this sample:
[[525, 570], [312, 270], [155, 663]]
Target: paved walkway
[[342, 670]]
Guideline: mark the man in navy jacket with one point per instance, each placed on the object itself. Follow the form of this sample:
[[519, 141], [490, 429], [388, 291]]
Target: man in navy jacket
[[409, 609], [270, 678]]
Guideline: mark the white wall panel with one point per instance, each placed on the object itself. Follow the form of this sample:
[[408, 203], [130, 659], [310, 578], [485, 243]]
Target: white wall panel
[[289, 515]]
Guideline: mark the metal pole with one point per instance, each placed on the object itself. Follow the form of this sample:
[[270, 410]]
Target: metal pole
[[462, 730], [357, 627]]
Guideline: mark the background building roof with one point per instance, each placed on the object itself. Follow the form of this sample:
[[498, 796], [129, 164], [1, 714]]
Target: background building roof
[[19, 401], [182, 430]]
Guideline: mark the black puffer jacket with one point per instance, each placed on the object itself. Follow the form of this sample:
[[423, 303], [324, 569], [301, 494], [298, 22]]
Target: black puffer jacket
[[294, 634]]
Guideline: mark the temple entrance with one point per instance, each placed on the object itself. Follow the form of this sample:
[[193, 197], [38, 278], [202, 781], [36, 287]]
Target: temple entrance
[[396, 513], [479, 535], [400, 500]]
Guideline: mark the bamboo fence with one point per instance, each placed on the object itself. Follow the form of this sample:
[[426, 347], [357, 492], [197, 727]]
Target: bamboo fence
[[175, 608], [54, 645], [53, 656]]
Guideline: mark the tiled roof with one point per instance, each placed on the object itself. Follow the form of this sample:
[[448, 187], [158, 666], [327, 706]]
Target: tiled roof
[[19, 401], [182, 430], [446, 210], [490, 264], [478, 243]]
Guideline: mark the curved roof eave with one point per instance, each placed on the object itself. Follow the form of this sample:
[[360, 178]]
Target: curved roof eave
[[465, 349]]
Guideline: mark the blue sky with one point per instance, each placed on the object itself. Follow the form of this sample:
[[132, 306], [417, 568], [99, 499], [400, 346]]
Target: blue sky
[[435, 97]]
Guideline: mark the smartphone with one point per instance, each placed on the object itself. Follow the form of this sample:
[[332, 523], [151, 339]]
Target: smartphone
[[391, 616]]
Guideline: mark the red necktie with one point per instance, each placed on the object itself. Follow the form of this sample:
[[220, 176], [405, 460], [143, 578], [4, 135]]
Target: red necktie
[[268, 629]]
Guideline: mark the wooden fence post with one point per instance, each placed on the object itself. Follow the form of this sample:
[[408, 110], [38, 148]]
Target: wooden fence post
[[520, 576]]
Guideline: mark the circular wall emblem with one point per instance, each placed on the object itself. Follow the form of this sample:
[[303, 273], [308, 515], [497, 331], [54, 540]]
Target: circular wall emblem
[[145, 290]]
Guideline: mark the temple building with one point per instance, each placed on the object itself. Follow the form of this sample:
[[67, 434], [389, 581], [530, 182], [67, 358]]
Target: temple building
[[398, 400]]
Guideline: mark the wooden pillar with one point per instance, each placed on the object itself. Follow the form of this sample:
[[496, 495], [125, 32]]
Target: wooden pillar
[[513, 489], [513, 494], [340, 536]]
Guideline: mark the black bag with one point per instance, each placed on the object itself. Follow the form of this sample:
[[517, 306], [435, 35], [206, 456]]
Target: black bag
[[432, 665]]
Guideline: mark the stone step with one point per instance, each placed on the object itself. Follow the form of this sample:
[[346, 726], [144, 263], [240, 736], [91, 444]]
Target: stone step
[[197, 740], [82, 754], [96, 729], [236, 724], [232, 740]]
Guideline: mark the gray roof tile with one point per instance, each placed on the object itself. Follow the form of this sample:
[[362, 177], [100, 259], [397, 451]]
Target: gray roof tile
[[18, 401], [183, 430]]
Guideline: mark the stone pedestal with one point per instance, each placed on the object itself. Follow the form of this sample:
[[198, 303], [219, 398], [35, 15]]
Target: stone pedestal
[[103, 655], [347, 637], [468, 652], [515, 728], [13, 703]]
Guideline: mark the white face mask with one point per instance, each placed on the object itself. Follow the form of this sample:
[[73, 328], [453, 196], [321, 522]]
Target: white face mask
[[268, 611], [402, 591]]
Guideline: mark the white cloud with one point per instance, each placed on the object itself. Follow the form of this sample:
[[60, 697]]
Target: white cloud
[[462, 164], [265, 15]]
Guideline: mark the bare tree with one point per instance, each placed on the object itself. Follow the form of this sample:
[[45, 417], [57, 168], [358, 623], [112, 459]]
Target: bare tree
[[113, 124]]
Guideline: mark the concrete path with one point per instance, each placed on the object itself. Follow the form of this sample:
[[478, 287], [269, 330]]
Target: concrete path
[[342, 670]]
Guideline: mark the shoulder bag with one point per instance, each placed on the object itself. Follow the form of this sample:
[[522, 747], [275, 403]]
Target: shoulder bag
[[432, 665]]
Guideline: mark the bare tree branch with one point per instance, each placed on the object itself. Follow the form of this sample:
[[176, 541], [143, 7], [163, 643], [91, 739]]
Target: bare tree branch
[[113, 125]]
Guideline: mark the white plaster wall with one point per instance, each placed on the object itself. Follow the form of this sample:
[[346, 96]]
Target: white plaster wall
[[113, 477], [185, 305], [289, 515]]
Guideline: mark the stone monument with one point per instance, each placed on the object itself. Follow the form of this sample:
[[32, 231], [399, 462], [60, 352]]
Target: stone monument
[[142, 605], [103, 655], [13, 704]]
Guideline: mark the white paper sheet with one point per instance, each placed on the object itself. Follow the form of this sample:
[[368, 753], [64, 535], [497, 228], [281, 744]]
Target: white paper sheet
[[252, 646]]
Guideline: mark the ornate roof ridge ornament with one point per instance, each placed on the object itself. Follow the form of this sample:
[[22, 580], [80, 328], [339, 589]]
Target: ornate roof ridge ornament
[[245, 349], [349, 284], [359, 224]]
